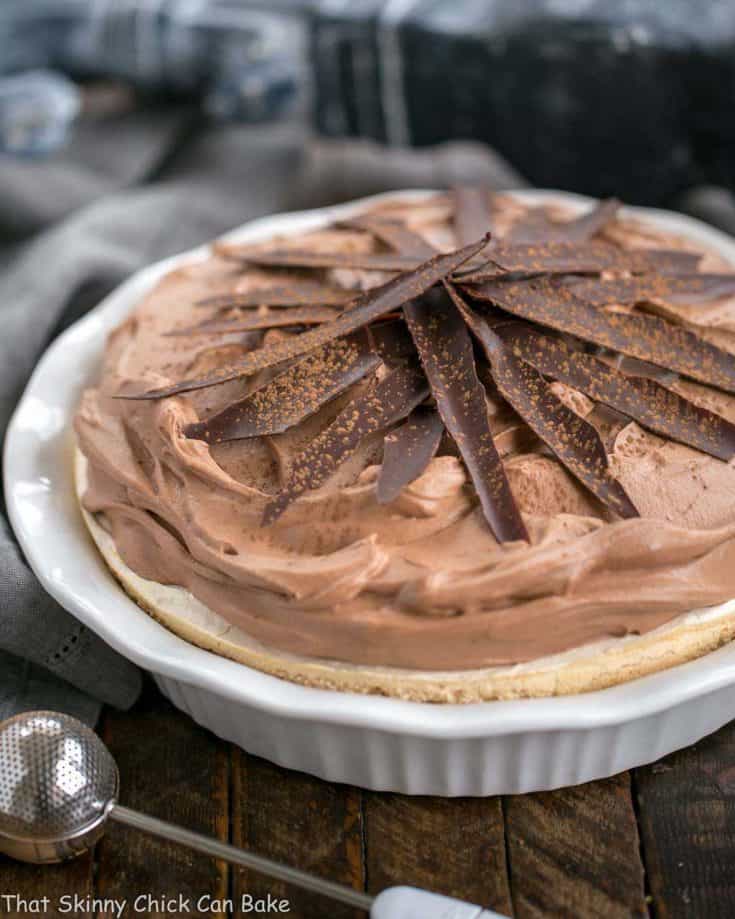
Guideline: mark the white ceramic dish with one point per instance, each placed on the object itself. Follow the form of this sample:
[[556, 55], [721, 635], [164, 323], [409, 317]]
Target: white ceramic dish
[[380, 743]]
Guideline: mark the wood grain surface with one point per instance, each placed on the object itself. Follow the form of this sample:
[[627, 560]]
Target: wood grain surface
[[686, 806], [657, 842], [575, 852]]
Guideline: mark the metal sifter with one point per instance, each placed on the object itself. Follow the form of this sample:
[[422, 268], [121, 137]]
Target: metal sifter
[[59, 787]]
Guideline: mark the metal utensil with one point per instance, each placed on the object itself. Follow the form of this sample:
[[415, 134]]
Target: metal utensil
[[59, 786]]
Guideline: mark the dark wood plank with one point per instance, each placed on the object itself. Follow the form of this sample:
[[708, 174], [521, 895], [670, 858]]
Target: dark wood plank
[[300, 820], [575, 852], [686, 807], [53, 881], [454, 846], [174, 770]]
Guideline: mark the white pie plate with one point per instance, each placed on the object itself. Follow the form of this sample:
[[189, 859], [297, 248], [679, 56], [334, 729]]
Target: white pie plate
[[380, 743]]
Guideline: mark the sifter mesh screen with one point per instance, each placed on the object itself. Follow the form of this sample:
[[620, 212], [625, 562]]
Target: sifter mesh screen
[[56, 776]]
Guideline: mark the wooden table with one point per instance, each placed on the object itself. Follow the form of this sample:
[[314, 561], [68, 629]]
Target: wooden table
[[659, 841]]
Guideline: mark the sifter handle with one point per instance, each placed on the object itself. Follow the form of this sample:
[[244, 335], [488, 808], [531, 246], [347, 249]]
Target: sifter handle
[[412, 903], [393, 903], [236, 856]]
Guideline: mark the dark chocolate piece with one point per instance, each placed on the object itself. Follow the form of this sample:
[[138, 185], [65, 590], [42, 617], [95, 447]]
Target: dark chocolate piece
[[691, 288], [551, 257], [575, 258], [407, 451], [371, 305], [293, 395], [635, 367], [297, 258], [649, 338], [296, 293], [472, 214], [257, 319], [383, 404], [661, 261], [572, 439], [654, 406], [246, 341], [536, 225], [396, 235], [445, 348], [392, 340], [584, 227]]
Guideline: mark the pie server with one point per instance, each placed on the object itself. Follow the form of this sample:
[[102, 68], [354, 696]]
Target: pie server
[[59, 786]]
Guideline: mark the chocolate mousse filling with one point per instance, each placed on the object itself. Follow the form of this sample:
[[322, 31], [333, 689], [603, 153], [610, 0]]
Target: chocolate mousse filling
[[264, 474]]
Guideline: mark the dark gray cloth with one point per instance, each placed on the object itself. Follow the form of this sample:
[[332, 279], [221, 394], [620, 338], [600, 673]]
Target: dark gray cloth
[[124, 194]]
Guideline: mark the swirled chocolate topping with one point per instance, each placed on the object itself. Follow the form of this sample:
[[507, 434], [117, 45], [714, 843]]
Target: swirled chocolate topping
[[254, 455]]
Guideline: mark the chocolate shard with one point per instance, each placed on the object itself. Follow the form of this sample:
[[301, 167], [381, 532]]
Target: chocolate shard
[[384, 403], [536, 225], [296, 258], [646, 337], [558, 257], [574, 441], [638, 368], [370, 305], [575, 258], [393, 342], [407, 451], [445, 349], [663, 261], [589, 224], [536, 258], [689, 288], [652, 405], [471, 211], [293, 395], [297, 293], [395, 234], [260, 319]]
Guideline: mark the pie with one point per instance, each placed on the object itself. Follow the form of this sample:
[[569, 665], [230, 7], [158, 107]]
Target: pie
[[450, 449]]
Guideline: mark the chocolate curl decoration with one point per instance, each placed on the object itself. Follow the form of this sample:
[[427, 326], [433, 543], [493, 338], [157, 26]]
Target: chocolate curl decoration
[[588, 225], [445, 349], [572, 439], [396, 235], [296, 258], [652, 405], [575, 258], [663, 261], [293, 395], [648, 338], [472, 215], [537, 258], [270, 319], [297, 293], [407, 451], [371, 305], [390, 340], [383, 404], [537, 226], [393, 342], [689, 289]]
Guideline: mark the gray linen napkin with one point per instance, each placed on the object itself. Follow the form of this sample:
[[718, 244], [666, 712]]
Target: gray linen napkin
[[126, 193]]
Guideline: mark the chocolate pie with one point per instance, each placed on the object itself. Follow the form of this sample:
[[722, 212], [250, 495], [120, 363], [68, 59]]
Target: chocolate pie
[[455, 448]]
